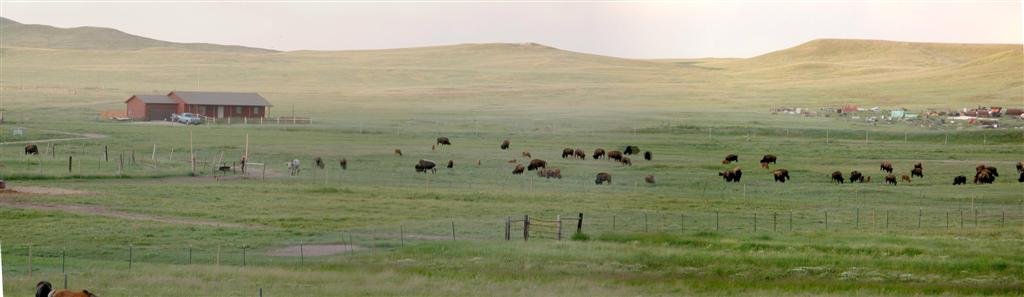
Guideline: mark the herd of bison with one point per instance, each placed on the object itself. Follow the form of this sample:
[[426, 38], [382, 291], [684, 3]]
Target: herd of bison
[[984, 174]]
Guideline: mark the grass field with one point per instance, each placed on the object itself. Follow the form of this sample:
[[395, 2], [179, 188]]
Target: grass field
[[379, 228]]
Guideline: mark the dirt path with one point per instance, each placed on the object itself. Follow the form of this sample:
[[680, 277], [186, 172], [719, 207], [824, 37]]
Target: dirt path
[[7, 200], [79, 136], [313, 250]]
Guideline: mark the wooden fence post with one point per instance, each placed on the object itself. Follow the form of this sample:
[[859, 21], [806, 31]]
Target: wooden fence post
[[106, 155], [130, 248], [716, 221], [579, 223], [755, 222], [30, 261], [453, 230], [401, 234], [558, 221], [826, 220], [70, 162], [526, 227], [775, 215], [508, 228]]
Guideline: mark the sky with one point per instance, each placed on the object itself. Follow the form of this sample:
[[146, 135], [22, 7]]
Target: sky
[[690, 29]]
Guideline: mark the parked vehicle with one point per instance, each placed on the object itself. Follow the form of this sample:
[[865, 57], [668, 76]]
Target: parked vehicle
[[187, 118]]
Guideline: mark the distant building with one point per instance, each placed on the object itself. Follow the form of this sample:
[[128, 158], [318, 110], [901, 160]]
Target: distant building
[[209, 104]]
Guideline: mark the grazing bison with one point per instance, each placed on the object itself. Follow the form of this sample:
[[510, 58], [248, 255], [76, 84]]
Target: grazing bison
[[603, 177], [504, 144], [580, 154], [1021, 178], [626, 161], [856, 176], [631, 149], [45, 289], [768, 159], [293, 167], [960, 180], [518, 169], [890, 179], [537, 163], [31, 149], [780, 175], [731, 158], [443, 141], [598, 153], [648, 155], [917, 172], [733, 175], [838, 177], [905, 178], [886, 166], [649, 179], [398, 152], [426, 165], [318, 162], [527, 154], [451, 164], [1020, 166], [984, 175], [615, 155], [567, 152], [550, 173], [343, 163], [991, 170]]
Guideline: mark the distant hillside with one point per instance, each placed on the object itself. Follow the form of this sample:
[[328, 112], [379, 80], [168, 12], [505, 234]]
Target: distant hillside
[[16, 34]]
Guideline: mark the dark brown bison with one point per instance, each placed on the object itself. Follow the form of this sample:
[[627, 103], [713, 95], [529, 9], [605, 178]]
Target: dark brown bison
[[991, 170], [984, 176], [1020, 179], [768, 159], [451, 164], [960, 180], [648, 155], [626, 161], [444, 141], [730, 158], [567, 152], [838, 177], [518, 169], [527, 154], [537, 163], [917, 172], [615, 155], [504, 144], [398, 152], [580, 154], [31, 149], [856, 176], [886, 166], [733, 175], [890, 179], [550, 173], [917, 165], [780, 175], [426, 165], [603, 177], [905, 178], [319, 162], [598, 153], [343, 163], [1020, 166], [649, 179], [631, 150]]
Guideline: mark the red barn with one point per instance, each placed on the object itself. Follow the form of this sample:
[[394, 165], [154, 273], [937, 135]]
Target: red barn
[[209, 104]]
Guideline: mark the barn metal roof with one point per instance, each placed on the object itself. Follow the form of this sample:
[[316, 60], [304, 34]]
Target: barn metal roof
[[154, 99], [221, 98]]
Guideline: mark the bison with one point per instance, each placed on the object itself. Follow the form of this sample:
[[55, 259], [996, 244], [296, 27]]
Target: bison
[[780, 175], [603, 177], [960, 180], [991, 170], [343, 163], [580, 154], [1021, 178], [518, 169], [648, 155], [649, 179], [1020, 166], [917, 172], [615, 155], [31, 149], [504, 144], [856, 176], [398, 152], [731, 158], [838, 177], [767, 159], [537, 163], [527, 154], [886, 166], [631, 149], [550, 173], [890, 179], [984, 176], [905, 178], [567, 152], [451, 164], [426, 165], [444, 141], [626, 161], [733, 175], [598, 153], [319, 162]]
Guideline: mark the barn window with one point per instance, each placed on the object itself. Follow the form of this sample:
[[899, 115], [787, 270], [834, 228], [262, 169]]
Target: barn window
[[238, 110]]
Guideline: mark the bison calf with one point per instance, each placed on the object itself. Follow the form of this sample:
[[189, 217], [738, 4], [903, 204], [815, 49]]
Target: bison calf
[[905, 178], [602, 178], [398, 152], [730, 158], [768, 159], [960, 180], [504, 144], [343, 163], [518, 169], [649, 179], [451, 164], [890, 179], [648, 155], [31, 149]]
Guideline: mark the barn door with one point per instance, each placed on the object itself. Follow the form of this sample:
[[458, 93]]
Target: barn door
[[220, 112]]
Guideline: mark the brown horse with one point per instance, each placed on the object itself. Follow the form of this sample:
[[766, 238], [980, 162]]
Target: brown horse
[[45, 289]]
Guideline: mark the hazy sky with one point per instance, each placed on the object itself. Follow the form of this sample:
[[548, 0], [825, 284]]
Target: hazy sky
[[637, 30]]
